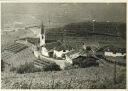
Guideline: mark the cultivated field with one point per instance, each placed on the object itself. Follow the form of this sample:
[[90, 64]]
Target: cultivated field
[[82, 78]]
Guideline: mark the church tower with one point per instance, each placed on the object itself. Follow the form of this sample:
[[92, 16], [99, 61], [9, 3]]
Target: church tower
[[42, 35]]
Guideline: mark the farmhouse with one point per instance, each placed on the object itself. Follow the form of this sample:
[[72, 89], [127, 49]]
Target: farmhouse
[[60, 51], [111, 51], [55, 49], [72, 55]]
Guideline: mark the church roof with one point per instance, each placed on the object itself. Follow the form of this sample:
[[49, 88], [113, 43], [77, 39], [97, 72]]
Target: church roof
[[63, 47], [52, 45], [112, 49]]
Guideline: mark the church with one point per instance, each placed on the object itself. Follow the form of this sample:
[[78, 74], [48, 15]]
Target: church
[[53, 49]]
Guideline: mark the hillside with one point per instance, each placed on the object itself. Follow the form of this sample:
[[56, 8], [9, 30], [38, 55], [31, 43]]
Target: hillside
[[85, 28], [104, 33], [81, 78]]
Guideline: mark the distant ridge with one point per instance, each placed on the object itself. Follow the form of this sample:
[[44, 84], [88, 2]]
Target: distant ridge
[[117, 29]]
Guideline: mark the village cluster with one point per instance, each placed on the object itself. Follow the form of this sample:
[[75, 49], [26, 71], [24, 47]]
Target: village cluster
[[58, 51]]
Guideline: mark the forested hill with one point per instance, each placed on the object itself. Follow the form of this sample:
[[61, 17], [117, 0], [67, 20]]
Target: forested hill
[[90, 28]]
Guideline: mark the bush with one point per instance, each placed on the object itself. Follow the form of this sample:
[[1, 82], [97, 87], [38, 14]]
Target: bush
[[13, 69], [30, 68], [85, 61], [26, 68], [52, 67]]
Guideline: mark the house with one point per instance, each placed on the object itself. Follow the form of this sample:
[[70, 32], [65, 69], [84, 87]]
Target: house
[[60, 51], [87, 51], [93, 45], [48, 48], [59, 54], [72, 55], [111, 50]]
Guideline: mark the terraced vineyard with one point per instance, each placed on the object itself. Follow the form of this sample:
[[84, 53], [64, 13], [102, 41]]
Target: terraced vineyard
[[16, 47], [6, 55], [21, 58], [16, 54], [41, 64], [11, 49]]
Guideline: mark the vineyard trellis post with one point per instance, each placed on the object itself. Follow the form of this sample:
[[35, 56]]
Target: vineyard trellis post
[[115, 71]]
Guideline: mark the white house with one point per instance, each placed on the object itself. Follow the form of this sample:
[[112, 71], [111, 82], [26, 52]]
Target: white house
[[114, 55], [44, 51], [49, 48], [59, 54], [61, 50], [121, 54], [111, 51], [107, 53]]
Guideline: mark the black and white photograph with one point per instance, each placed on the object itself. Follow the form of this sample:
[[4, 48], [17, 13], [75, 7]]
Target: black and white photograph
[[63, 45]]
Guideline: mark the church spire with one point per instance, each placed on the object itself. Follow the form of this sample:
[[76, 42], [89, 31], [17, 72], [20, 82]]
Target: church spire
[[42, 28], [42, 35]]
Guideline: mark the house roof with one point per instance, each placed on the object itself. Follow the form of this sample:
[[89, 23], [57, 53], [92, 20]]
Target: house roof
[[112, 49], [72, 52], [83, 52], [59, 48], [52, 45], [63, 47]]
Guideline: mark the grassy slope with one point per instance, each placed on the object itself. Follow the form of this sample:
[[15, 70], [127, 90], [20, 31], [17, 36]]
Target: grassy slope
[[92, 77], [9, 37], [22, 56]]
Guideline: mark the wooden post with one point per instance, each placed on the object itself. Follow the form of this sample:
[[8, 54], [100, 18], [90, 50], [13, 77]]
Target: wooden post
[[115, 72], [53, 82]]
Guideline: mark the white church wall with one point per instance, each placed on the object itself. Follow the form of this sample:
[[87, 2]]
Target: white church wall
[[59, 54], [44, 52], [42, 40]]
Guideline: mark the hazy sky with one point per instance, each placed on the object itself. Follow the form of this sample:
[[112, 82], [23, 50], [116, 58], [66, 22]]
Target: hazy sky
[[24, 14]]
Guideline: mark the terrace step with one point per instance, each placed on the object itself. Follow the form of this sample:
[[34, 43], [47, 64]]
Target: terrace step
[[42, 62], [15, 47], [6, 55]]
